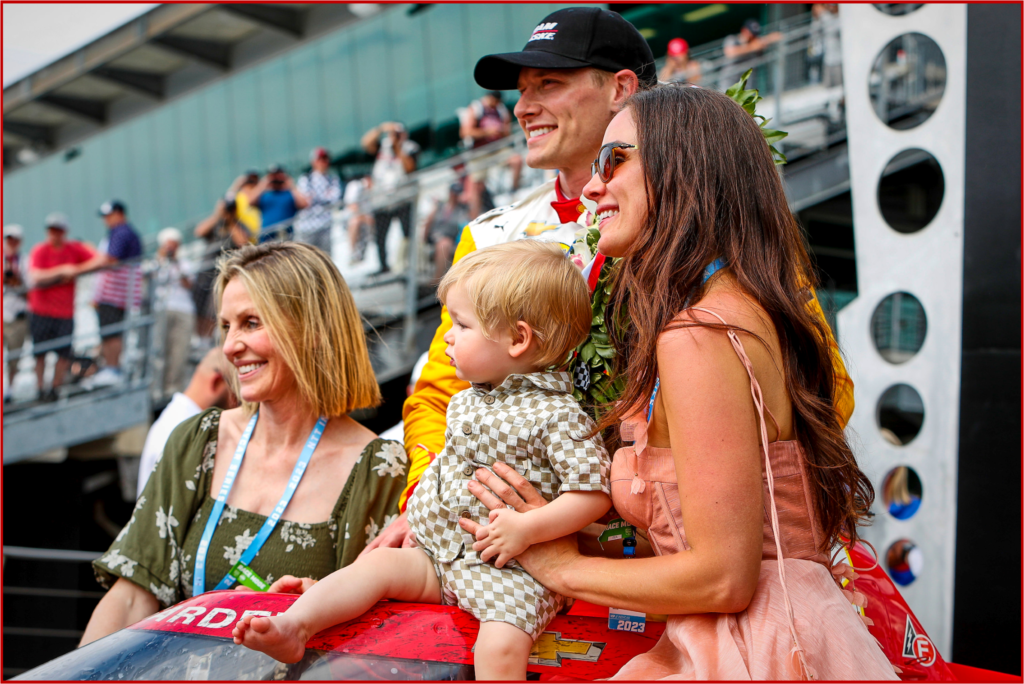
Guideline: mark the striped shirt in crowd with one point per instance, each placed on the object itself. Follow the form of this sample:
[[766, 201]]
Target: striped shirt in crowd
[[114, 285]]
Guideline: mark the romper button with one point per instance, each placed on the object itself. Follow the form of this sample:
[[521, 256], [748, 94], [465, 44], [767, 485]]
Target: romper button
[[466, 428], [488, 400], [465, 514], [468, 471]]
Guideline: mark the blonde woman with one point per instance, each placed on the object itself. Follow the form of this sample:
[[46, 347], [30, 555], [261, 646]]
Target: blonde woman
[[290, 328]]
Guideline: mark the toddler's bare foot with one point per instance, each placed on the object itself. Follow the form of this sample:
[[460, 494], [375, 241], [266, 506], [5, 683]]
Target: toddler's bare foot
[[279, 637]]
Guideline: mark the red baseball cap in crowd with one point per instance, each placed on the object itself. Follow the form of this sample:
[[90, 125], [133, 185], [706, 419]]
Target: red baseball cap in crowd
[[319, 153], [678, 46]]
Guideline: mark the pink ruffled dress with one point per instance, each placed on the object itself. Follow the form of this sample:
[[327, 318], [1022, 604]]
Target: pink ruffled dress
[[800, 623]]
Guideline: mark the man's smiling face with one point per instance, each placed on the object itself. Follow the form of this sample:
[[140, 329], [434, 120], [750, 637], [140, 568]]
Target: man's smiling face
[[563, 113]]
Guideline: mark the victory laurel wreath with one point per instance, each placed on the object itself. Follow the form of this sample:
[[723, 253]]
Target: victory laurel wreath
[[591, 364]]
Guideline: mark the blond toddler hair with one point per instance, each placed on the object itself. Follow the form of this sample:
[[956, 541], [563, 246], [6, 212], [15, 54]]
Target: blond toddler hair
[[530, 281]]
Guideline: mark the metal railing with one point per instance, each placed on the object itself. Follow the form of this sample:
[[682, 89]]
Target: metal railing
[[406, 288], [799, 73], [790, 73], [801, 94], [387, 301], [139, 346], [47, 556]]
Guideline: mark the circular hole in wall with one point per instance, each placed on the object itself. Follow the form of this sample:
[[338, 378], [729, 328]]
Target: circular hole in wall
[[907, 80], [900, 414], [902, 492], [896, 9], [904, 561], [898, 327], [910, 190]]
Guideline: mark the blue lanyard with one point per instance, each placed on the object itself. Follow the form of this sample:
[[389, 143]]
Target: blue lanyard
[[712, 268], [199, 577]]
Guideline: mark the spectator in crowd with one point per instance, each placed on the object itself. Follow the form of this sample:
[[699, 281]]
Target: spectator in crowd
[[209, 386], [322, 189], [485, 121], [360, 214], [15, 304], [53, 266], [825, 48], [678, 65], [743, 50], [278, 200], [174, 300], [247, 213], [443, 226], [117, 289], [222, 231], [395, 159]]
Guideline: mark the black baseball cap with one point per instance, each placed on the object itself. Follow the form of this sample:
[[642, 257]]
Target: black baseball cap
[[569, 39]]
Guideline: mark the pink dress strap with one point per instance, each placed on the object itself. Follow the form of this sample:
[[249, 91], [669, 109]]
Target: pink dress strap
[[755, 391]]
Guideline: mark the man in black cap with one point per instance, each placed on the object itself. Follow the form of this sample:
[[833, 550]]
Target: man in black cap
[[577, 70]]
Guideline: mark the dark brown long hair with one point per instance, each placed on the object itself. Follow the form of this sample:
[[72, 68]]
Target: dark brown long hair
[[713, 192]]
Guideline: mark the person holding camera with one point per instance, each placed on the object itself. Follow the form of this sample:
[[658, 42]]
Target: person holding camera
[[395, 154], [278, 200], [223, 231]]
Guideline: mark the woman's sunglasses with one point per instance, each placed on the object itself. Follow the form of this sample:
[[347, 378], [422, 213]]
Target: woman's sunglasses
[[604, 166]]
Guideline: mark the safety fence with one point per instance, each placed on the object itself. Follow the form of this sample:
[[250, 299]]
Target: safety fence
[[798, 70], [48, 640]]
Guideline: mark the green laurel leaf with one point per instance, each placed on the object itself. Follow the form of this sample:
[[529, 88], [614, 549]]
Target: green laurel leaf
[[748, 99]]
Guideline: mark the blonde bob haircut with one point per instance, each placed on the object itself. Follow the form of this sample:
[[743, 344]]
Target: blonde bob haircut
[[312, 320], [530, 281]]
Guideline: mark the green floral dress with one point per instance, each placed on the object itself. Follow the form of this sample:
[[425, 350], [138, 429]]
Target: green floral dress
[[156, 549]]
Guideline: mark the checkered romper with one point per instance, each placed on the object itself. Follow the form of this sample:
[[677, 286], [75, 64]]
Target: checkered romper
[[533, 424]]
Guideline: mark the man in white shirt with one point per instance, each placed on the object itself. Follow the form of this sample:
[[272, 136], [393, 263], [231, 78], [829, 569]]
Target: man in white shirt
[[360, 213], [174, 280], [395, 160], [208, 387]]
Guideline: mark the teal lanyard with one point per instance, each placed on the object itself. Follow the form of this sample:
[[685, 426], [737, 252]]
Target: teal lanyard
[[199, 577]]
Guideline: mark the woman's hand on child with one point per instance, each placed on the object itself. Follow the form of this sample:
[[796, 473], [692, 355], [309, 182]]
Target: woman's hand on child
[[505, 486], [506, 536], [396, 535]]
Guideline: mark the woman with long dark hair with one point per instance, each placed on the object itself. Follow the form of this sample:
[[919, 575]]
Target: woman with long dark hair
[[739, 471]]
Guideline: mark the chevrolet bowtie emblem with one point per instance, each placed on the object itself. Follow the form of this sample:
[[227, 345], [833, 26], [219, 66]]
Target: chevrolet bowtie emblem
[[550, 649]]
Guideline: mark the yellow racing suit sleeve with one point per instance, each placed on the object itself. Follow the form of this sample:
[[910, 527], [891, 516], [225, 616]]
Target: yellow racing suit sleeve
[[424, 411], [843, 392]]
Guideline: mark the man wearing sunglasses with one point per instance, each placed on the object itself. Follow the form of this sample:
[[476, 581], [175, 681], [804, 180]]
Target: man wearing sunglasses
[[578, 68]]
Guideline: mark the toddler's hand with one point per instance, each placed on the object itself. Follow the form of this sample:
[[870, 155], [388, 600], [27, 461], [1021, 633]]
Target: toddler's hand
[[505, 537]]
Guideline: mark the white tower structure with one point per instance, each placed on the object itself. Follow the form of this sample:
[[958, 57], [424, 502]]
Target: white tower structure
[[927, 264]]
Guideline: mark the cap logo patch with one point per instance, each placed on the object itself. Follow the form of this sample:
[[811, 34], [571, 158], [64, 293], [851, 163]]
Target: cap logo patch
[[544, 32]]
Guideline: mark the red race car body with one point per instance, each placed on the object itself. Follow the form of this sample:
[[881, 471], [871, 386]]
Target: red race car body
[[404, 641]]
